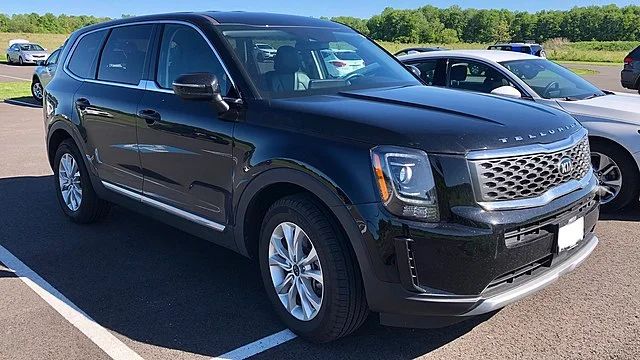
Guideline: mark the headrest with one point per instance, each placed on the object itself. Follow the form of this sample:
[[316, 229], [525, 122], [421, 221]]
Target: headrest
[[459, 72], [287, 60]]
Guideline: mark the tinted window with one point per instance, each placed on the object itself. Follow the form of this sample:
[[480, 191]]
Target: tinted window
[[124, 54], [83, 60], [635, 53], [347, 55], [184, 51], [427, 69], [475, 76], [53, 58]]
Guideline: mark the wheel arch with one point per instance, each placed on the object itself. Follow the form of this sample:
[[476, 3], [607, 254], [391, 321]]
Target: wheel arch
[[609, 142], [274, 184]]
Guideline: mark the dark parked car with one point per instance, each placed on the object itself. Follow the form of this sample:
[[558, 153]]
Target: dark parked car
[[417, 50], [630, 76], [525, 48], [364, 192]]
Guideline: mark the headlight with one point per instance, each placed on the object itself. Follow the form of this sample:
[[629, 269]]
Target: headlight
[[405, 182]]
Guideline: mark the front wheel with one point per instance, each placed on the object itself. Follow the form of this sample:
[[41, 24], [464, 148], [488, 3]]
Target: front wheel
[[20, 61], [75, 193], [309, 271], [9, 59], [617, 175], [37, 90]]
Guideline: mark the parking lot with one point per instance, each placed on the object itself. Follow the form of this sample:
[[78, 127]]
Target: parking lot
[[132, 287]]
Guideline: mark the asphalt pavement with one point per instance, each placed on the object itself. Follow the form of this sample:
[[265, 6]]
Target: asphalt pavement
[[163, 294], [10, 73]]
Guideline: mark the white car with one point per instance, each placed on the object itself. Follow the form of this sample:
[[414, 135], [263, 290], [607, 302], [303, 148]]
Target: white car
[[342, 62], [265, 52], [22, 52], [613, 119]]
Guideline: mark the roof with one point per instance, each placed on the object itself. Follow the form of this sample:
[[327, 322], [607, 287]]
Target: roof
[[493, 55], [515, 43]]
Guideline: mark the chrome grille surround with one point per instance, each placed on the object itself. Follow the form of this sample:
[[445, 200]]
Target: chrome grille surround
[[529, 176]]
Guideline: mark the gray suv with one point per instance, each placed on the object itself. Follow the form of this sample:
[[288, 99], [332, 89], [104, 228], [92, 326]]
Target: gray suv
[[630, 76]]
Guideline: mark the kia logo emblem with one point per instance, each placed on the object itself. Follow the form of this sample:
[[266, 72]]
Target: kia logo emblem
[[565, 166]]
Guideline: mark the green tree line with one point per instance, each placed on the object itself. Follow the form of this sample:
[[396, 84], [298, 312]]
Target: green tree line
[[47, 23], [429, 24]]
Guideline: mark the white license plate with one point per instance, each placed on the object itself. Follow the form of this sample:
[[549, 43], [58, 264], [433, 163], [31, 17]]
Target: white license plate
[[570, 234]]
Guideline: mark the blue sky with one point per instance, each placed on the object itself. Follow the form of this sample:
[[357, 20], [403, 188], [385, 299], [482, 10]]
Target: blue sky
[[317, 8]]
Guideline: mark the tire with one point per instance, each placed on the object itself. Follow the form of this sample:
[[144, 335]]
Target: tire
[[35, 91], [9, 60], [343, 307], [20, 61], [628, 171], [90, 208]]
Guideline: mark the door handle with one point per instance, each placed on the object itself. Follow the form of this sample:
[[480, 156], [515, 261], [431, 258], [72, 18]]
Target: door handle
[[150, 116], [82, 103]]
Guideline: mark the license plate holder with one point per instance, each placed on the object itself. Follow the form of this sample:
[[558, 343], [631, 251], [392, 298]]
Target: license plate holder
[[570, 233]]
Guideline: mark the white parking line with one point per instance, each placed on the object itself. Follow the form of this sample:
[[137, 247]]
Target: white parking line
[[78, 318], [258, 346], [13, 77]]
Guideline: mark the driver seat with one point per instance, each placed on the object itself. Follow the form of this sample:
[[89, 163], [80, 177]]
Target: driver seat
[[287, 76]]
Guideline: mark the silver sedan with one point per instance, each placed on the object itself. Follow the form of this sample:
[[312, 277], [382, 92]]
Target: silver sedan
[[26, 53], [613, 119]]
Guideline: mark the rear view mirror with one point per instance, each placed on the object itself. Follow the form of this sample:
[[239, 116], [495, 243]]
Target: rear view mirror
[[200, 86], [508, 91]]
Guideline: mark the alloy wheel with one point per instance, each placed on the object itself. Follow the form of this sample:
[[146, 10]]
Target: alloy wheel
[[609, 176], [296, 272], [37, 90], [69, 179]]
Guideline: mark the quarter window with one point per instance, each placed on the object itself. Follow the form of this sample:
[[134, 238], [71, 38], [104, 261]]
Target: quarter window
[[53, 59], [124, 54], [184, 51], [83, 60]]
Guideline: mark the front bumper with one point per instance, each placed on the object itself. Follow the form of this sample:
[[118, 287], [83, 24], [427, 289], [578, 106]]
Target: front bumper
[[478, 262]]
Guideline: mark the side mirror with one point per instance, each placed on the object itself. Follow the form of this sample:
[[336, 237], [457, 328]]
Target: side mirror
[[508, 91], [414, 70], [200, 86]]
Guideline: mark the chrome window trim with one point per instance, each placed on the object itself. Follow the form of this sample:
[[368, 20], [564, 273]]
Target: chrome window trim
[[588, 181], [164, 207], [533, 149], [152, 22]]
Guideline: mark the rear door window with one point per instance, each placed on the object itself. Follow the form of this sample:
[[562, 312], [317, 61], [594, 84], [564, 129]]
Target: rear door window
[[475, 76], [124, 54], [635, 53], [84, 58]]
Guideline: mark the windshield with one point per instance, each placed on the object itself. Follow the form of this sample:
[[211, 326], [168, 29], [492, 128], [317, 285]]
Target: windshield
[[552, 81], [31, 47], [313, 60]]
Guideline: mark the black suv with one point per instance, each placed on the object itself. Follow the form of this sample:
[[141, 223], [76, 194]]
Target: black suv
[[630, 76], [365, 192]]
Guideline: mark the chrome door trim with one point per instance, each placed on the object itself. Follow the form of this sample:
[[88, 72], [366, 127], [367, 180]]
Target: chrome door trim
[[164, 207]]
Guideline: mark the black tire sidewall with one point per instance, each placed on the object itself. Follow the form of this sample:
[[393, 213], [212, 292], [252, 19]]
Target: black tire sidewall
[[68, 147], [276, 216], [20, 61], [630, 176], [33, 93]]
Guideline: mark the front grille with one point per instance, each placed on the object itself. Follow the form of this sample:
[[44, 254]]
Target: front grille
[[528, 176]]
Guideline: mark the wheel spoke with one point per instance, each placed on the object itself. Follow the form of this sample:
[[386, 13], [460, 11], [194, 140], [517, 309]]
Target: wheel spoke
[[615, 183], [279, 248], [308, 296], [289, 232], [607, 190], [311, 258], [65, 196], [298, 238], [312, 275], [608, 169], [292, 298], [603, 162], [281, 262], [284, 287]]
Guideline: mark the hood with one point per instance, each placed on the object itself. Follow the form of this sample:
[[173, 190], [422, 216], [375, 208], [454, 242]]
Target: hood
[[35, 52], [618, 106], [433, 119]]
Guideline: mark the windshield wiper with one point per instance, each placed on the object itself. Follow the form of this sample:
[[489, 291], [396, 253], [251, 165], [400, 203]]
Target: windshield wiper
[[572, 98]]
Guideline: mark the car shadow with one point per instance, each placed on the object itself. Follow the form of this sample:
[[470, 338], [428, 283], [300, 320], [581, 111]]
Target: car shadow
[[157, 285], [629, 213], [26, 101]]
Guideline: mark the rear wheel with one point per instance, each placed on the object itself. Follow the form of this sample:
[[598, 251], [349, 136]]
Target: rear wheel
[[75, 193], [617, 175], [309, 271], [8, 59]]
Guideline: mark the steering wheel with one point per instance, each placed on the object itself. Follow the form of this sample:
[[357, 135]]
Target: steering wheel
[[554, 85], [353, 75]]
